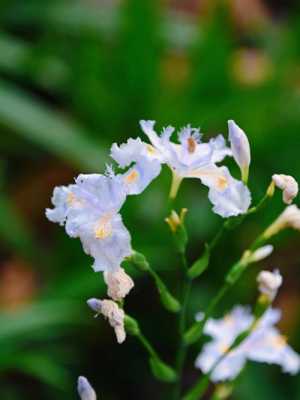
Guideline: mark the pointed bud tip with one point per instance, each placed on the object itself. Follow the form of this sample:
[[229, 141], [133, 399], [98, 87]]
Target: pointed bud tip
[[85, 390], [94, 304]]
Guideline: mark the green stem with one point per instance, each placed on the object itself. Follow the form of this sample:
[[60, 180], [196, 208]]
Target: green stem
[[217, 237], [182, 348], [147, 345]]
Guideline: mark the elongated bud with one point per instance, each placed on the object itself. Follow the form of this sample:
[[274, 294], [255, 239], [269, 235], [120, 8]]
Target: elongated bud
[[139, 261], [289, 218], [176, 224], [162, 371], [259, 254], [240, 148], [200, 265], [288, 185], [85, 390], [118, 283], [269, 283]]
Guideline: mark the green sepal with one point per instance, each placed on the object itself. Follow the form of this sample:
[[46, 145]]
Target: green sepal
[[233, 222], [139, 261], [131, 326], [200, 265], [162, 371], [167, 299]]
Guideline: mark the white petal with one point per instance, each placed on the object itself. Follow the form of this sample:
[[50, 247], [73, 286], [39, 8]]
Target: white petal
[[234, 200], [220, 150], [137, 178], [127, 153]]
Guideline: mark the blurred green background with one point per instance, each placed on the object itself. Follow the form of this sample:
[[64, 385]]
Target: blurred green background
[[76, 76]]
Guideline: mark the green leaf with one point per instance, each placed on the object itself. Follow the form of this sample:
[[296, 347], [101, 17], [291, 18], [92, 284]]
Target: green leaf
[[48, 129], [13, 229], [43, 367]]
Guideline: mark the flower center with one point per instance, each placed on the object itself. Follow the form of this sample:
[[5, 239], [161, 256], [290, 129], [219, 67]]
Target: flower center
[[191, 142], [279, 342], [103, 229], [150, 149], [72, 200], [222, 183], [132, 177]]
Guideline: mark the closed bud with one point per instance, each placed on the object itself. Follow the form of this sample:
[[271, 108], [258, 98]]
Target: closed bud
[[259, 254], [240, 148], [85, 390], [176, 224]]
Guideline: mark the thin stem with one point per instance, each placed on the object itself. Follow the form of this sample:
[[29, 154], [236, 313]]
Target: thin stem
[[217, 237], [176, 182], [182, 348], [147, 345]]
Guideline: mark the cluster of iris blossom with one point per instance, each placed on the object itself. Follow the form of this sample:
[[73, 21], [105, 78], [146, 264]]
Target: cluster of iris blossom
[[89, 209]]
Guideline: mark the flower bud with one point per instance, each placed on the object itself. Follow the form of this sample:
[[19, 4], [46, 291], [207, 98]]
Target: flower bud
[[95, 305], [85, 390], [119, 284], [115, 315], [289, 218], [174, 220], [288, 185], [269, 283], [260, 254], [176, 224], [240, 148]]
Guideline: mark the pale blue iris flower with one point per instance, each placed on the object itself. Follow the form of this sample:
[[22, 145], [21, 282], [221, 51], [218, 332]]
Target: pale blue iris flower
[[90, 211], [264, 344]]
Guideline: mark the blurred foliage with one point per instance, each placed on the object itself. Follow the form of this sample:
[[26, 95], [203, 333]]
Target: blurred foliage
[[76, 75]]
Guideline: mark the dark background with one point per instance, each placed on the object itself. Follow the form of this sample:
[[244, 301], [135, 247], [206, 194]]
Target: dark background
[[75, 76]]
